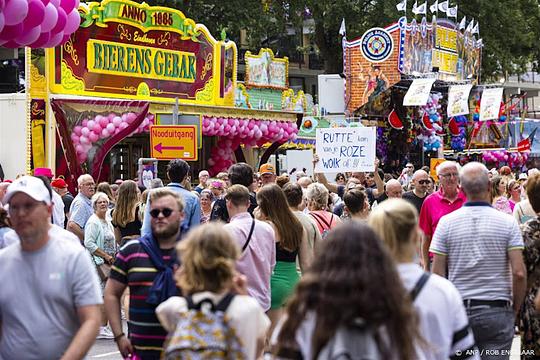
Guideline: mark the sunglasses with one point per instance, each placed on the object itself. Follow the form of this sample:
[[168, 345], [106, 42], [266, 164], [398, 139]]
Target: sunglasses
[[423, 182], [166, 212]]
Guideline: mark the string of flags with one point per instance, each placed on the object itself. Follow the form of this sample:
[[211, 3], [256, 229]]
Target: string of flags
[[445, 8]]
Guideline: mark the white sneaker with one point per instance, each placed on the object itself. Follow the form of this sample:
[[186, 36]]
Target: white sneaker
[[105, 333]]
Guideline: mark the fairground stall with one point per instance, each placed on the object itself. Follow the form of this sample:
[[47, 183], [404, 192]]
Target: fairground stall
[[96, 101], [420, 81]]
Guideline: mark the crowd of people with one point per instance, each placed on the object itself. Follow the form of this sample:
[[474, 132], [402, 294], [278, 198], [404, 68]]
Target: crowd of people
[[251, 265]]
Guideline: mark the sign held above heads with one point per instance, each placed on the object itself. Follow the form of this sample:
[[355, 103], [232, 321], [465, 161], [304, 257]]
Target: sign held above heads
[[174, 142], [345, 149]]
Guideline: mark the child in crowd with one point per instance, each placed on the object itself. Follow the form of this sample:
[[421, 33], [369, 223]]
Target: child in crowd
[[208, 255]]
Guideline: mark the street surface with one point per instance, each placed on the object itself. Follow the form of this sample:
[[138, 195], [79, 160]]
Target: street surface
[[107, 350]]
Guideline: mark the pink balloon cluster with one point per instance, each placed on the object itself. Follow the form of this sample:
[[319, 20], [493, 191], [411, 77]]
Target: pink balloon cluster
[[221, 156], [90, 131], [250, 132], [37, 23], [513, 159]]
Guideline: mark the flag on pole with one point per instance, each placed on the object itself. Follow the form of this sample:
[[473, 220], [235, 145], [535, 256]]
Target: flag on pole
[[342, 28], [443, 6], [480, 43], [463, 23], [525, 144], [475, 29], [422, 9], [402, 6], [452, 12], [470, 26], [433, 8]]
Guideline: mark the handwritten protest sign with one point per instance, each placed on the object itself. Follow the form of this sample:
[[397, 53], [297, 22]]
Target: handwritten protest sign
[[345, 149]]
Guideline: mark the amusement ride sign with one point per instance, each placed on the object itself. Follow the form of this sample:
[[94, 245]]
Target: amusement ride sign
[[128, 50]]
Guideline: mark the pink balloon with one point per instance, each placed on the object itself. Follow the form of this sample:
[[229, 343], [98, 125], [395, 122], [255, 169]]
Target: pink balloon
[[117, 121], [68, 5], [56, 3], [123, 125], [36, 13], [97, 129], [54, 41], [15, 11], [29, 36], [84, 122], [73, 22], [79, 149], [45, 2], [42, 40], [77, 130], [90, 124], [2, 4], [110, 127], [103, 121], [93, 137], [10, 32], [74, 138], [85, 131], [105, 133], [84, 139], [50, 19], [61, 22]]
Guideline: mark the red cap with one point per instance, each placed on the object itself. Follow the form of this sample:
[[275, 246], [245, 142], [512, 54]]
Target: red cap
[[59, 183]]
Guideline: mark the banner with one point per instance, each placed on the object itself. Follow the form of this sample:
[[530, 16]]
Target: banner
[[458, 100], [299, 160], [490, 104], [418, 92], [345, 149]]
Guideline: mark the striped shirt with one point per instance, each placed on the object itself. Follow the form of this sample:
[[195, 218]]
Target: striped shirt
[[134, 268], [476, 240]]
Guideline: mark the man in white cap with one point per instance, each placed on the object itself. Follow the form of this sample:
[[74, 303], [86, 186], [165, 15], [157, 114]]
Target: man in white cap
[[49, 303]]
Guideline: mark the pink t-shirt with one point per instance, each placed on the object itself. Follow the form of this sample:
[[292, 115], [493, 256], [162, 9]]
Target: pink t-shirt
[[258, 260], [435, 207]]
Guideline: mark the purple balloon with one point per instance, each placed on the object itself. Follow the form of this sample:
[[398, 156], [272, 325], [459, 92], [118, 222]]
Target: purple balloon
[[54, 40], [29, 36], [2, 22], [11, 32], [56, 3], [45, 2], [2, 4], [73, 22], [68, 5], [61, 22], [36, 13], [15, 11], [42, 40], [51, 17]]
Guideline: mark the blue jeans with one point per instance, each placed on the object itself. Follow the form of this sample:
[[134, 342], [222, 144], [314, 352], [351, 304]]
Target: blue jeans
[[493, 329]]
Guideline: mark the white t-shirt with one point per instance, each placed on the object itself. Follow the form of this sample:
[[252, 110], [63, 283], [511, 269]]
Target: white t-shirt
[[442, 315], [59, 216], [244, 313], [55, 232]]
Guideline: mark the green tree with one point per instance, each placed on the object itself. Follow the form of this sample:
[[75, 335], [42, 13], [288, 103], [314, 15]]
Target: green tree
[[510, 28]]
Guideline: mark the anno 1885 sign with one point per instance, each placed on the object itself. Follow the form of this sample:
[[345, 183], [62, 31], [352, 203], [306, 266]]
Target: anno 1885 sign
[[128, 50]]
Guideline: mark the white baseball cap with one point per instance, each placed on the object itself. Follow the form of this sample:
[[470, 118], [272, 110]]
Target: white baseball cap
[[522, 176], [31, 186]]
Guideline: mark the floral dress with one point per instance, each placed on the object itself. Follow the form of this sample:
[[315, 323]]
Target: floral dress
[[529, 318]]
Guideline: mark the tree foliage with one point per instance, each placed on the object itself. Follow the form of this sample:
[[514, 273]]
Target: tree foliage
[[510, 28]]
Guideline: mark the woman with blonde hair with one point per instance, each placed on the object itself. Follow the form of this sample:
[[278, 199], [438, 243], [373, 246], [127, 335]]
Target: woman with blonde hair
[[443, 319], [208, 255], [317, 203], [125, 216]]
